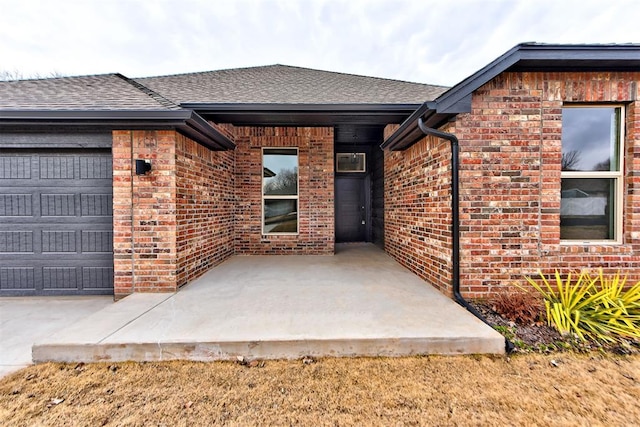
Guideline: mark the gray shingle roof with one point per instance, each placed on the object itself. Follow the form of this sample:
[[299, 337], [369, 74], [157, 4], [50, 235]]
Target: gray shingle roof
[[281, 84], [274, 84], [100, 92]]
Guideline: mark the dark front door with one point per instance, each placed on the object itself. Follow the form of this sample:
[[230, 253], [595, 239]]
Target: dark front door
[[351, 209]]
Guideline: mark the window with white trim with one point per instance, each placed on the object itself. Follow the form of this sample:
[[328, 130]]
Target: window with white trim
[[279, 190], [592, 174]]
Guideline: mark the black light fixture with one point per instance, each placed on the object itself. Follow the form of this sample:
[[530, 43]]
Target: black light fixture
[[142, 166], [354, 155]]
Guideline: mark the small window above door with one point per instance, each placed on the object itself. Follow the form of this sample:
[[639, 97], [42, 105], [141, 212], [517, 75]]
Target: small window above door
[[351, 162]]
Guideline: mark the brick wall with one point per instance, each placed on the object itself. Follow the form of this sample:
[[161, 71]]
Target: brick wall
[[503, 200], [510, 153], [174, 223], [315, 205], [205, 208], [510, 171], [417, 230], [122, 210], [144, 213]]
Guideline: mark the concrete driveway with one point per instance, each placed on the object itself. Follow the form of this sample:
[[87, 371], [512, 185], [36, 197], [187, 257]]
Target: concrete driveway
[[26, 320]]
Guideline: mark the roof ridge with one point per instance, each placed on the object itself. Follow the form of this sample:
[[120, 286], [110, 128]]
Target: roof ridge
[[150, 92], [193, 73], [577, 45], [293, 67], [362, 75]]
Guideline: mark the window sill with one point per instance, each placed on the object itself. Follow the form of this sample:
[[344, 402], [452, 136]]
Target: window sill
[[590, 243], [595, 247]]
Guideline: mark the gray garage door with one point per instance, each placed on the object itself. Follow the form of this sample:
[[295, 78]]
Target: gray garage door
[[56, 232]]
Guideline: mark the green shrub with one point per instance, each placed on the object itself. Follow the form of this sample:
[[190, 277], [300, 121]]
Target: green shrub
[[591, 307]]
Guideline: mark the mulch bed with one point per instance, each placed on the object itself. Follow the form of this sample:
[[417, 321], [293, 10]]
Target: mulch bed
[[542, 338]]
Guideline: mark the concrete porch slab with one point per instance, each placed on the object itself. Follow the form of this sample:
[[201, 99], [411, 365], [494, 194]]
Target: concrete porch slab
[[359, 302]]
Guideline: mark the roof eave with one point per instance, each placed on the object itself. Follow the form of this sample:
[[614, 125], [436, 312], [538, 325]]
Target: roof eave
[[540, 57], [200, 130], [210, 106], [523, 57], [271, 114], [186, 122], [409, 133]]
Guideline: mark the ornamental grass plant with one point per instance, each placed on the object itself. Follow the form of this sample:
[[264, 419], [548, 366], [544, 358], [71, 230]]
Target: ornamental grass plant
[[592, 307], [522, 308]]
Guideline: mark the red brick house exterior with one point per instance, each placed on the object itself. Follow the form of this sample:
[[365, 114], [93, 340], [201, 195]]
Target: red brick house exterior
[[198, 207], [205, 136], [176, 223], [508, 118], [510, 155]]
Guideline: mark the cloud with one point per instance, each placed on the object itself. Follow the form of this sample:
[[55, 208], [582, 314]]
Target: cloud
[[417, 40]]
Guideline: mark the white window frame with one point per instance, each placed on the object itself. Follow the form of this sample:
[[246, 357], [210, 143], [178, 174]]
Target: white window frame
[[295, 197], [617, 175]]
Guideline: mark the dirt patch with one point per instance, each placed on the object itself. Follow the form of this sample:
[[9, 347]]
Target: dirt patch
[[560, 389]]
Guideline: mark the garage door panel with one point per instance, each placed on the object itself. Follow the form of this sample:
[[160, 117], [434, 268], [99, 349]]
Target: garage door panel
[[92, 167], [57, 167], [58, 205], [97, 278], [19, 204], [16, 241], [58, 241], [48, 241], [17, 278], [97, 241], [96, 205], [56, 273], [15, 167], [59, 278], [56, 222], [56, 280]]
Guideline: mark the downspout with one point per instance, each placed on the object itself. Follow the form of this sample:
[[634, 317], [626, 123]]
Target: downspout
[[455, 223]]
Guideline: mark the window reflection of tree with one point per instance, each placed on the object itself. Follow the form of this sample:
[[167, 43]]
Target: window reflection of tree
[[285, 182], [603, 166], [570, 160]]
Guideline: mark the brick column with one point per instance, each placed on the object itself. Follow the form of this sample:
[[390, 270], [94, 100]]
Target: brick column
[[144, 213]]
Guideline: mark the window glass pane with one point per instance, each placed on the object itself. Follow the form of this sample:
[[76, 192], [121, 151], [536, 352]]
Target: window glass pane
[[280, 216], [587, 209], [280, 172], [590, 139]]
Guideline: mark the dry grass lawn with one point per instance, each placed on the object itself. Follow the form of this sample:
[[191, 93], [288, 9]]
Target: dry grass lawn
[[559, 389]]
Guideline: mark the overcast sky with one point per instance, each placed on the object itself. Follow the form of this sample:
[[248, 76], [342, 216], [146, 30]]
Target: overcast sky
[[438, 42]]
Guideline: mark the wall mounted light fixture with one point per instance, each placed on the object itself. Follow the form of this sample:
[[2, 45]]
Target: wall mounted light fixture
[[142, 166]]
